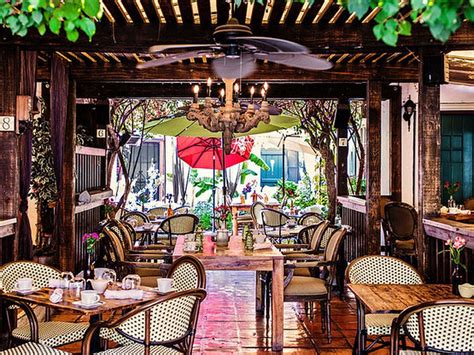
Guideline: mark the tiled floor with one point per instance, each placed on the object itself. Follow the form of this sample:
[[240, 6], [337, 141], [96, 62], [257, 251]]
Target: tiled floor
[[228, 323]]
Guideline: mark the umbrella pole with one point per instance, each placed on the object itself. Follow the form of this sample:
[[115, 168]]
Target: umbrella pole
[[213, 190], [224, 174]]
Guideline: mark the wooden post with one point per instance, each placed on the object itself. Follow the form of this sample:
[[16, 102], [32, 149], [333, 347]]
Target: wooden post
[[68, 239], [373, 165], [429, 158], [394, 94], [342, 152]]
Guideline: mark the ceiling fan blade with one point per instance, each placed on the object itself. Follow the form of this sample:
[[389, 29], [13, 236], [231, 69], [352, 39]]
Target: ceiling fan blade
[[303, 61], [234, 68], [164, 47], [270, 44], [171, 58]]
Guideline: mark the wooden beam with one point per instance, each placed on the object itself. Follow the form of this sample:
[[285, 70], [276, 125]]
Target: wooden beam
[[429, 158], [342, 153], [343, 38], [169, 90], [373, 164], [204, 12], [180, 72]]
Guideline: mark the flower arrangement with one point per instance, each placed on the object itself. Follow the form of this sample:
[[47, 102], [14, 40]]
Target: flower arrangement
[[110, 207], [455, 249], [223, 212], [89, 239], [452, 188]]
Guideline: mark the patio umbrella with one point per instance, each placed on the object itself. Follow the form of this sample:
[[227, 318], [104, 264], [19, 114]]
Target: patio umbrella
[[181, 126], [207, 153]]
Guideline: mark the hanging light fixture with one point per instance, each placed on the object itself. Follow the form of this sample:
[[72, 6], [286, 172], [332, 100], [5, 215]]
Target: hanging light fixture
[[409, 107], [228, 119]]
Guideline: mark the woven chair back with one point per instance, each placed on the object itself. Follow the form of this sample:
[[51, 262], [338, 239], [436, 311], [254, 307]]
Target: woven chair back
[[379, 269]]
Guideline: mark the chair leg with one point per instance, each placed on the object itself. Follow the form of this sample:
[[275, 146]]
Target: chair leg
[[323, 317], [328, 319], [311, 310]]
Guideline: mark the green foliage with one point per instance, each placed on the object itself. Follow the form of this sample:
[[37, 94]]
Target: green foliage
[[395, 18], [70, 15], [203, 184], [305, 193], [203, 210], [43, 180], [82, 138], [353, 184], [291, 188]]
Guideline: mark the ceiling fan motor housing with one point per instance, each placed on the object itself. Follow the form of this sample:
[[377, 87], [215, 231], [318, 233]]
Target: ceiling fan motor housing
[[224, 33]]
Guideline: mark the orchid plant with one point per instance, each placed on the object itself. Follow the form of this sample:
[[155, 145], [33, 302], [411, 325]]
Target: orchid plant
[[455, 249], [90, 239], [452, 188]]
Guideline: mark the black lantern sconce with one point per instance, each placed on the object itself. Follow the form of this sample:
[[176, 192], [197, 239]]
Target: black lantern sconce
[[410, 108]]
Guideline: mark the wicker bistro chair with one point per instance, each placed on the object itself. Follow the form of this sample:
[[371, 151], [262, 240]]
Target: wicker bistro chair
[[179, 224], [182, 210], [158, 211], [379, 270], [148, 265], [310, 289], [166, 325], [310, 218], [48, 333], [273, 222], [400, 225], [436, 327], [256, 213], [32, 348], [139, 217], [187, 273]]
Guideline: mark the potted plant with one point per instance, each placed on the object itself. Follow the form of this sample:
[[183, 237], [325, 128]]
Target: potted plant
[[455, 249], [110, 208], [90, 240], [451, 189], [222, 216]]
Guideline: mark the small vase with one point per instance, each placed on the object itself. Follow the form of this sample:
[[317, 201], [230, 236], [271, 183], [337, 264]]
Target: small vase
[[451, 202], [456, 279], [89, 269], [222, 238]]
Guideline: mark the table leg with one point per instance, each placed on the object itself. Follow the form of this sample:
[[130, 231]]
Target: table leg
[[360, 339], [95, 343], [277, 305], [235, 227], [258, 293]]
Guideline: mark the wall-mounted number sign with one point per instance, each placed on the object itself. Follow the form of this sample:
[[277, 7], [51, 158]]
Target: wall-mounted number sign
[[342, 142], [7, 123], [101, 133]]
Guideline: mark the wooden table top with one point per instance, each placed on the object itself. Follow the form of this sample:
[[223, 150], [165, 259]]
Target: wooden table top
[[395, 298], [443, 228], [140, 229], [41, 297], [233, 257]]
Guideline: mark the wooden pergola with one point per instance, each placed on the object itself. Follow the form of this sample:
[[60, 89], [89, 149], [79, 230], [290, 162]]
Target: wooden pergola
[[106, 68]]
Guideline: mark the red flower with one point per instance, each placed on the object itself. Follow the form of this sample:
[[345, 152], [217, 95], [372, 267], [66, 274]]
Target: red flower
[[446, 184]]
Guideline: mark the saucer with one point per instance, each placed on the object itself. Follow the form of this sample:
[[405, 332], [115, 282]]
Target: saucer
[[26, 292], [163, 293], [88, 306]]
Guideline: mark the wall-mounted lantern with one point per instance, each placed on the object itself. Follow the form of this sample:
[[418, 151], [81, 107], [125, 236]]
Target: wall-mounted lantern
[[410, 108]]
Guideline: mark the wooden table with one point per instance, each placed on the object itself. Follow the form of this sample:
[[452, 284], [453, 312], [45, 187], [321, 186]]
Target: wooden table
[[237, 207], [234, 257], [393, 299], [41, 298]]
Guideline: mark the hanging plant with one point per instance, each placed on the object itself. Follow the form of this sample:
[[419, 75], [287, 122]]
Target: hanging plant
[[43, 180]]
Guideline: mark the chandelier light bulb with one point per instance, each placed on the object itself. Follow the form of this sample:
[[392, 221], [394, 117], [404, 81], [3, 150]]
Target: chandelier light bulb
[[265, 86], [222, 92], [209, 83], [236, 88], [196, 93], [252, 91], [263, 93]]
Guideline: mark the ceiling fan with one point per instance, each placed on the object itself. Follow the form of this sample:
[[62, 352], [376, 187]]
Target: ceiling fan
[[235, 51]]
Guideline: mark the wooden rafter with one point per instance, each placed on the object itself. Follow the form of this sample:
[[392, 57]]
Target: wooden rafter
[[371, 15], [294, 13], [337, 15], [204, 12], [131, 10], [322, 11], [351, 18], [141, 11], [78, 58], [303, 12], [341, 59], [123, 10], [267, 13], [62, 55], [286, 11]]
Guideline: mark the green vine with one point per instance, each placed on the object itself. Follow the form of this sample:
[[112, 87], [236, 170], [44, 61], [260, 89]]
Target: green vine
[[43, 180], [70, 15]]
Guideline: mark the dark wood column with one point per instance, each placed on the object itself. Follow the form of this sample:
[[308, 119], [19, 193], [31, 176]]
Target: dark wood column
[[429, 157], [394, 94], [342, 152], [373, 165]]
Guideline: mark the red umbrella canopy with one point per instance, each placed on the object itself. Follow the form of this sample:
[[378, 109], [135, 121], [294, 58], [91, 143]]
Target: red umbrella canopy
[[200, 152]]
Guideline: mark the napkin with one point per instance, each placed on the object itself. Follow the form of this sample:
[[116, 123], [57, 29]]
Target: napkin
[[264, 245], [57, 295], [124, 294]]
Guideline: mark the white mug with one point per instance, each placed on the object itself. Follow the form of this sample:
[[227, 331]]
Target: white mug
[[89, 297], [164, 284], [24, 284]]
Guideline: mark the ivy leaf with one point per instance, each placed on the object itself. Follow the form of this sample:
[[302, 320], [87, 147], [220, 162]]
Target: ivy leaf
[[390, 38], [88, 26], [37, 17], [42, 29], [469, 12], [404, 28], [23, 19], [379, 31], [92, 7], [360, 7], [54, 25], [390, 8], [72, 35], [70, 11], [417, 4], [391, 25]]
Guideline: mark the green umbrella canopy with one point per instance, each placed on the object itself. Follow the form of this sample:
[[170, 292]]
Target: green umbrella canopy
[[181, 126]]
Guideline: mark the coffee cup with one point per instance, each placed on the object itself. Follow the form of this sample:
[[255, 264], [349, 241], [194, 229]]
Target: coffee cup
[[260, 238], [24, 284], [165, 284], [89, 297]]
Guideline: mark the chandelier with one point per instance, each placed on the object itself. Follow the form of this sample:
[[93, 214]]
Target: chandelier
[[229, 117]]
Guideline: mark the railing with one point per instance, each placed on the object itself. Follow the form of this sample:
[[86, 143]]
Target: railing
[[353, 215]]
